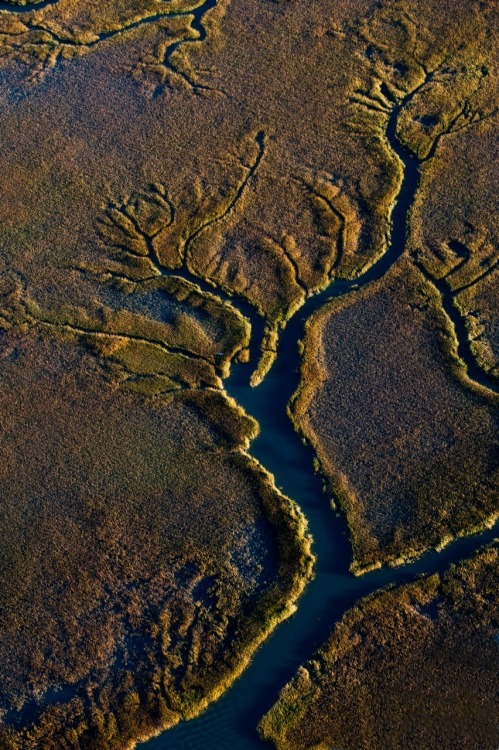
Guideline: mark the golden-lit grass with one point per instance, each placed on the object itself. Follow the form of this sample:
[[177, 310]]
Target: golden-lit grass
[[409, 667], [144, 554], [478, 305], [404, 439], [264, 151], [459, 246]]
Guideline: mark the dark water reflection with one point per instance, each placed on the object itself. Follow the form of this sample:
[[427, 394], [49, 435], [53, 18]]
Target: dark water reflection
[[28, 8], [231, 721]]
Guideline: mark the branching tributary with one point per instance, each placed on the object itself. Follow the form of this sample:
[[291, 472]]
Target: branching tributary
[[231, 722], [194, 14], [27, 8]]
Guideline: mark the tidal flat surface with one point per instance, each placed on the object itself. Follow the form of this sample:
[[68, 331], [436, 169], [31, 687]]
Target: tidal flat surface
[[248, 365]]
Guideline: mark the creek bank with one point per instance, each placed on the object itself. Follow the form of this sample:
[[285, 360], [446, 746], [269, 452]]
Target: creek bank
[[231, 722]]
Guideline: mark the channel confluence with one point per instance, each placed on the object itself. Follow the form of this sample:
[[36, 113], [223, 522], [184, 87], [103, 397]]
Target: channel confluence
[[232, 721]]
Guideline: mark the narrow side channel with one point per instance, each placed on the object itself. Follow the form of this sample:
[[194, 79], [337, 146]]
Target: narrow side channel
[[28, 7], [231, 722]]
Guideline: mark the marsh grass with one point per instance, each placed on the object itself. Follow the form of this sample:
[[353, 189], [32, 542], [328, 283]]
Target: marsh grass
[[113, 536], [254, 161], [400, 496], [397, 665]]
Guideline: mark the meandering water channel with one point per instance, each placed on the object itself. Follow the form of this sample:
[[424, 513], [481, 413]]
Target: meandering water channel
[[195, 15], [230, 723], [27, 8]]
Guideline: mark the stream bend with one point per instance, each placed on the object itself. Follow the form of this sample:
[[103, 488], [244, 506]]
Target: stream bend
[[28, 8], [231, 721]]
